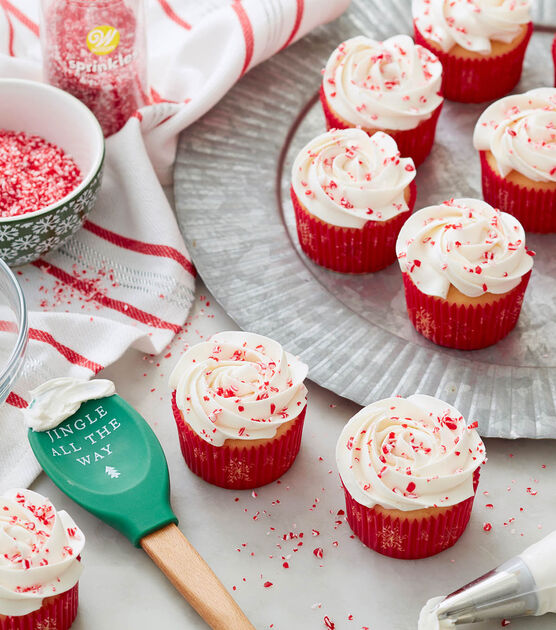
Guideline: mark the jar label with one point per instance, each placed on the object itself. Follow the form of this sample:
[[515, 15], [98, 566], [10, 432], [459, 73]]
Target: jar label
[[102, 40]]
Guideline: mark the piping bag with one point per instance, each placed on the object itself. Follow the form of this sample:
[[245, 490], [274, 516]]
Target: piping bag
[[99, 451], [523, 586]]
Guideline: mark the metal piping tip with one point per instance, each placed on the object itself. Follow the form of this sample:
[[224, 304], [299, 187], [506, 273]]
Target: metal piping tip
[[508, 591], [487, 589]]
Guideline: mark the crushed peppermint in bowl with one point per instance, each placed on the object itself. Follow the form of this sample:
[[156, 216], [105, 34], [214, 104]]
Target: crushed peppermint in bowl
[[51, 160], [34, 173]]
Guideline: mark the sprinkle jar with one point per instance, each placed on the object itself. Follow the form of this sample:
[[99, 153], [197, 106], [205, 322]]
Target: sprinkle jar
[[96, 50]]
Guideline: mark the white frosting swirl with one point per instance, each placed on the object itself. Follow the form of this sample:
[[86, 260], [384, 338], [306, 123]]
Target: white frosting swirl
[[346, 178], [38, 551], [383, 85], [59, 398], [428, 619], [466, 243], [238, 385], [472, 24], [409, 453], [520, 132]]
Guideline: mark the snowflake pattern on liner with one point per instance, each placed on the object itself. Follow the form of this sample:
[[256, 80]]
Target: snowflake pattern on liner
[[47, 624], [238, 470], [424, 323], [390, 538]]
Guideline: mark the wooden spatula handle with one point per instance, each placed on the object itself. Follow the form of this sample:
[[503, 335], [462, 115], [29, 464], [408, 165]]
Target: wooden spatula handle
[[193, 578]]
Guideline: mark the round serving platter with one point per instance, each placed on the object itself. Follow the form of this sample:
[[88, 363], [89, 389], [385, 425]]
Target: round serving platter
[[232, 180]]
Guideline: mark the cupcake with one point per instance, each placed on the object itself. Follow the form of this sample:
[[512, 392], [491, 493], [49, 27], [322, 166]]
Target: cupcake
[[351, 194], [465, 270], [39, 563], [239, 403], [391, 86], [480, 43], [410, 469], [516, 137]]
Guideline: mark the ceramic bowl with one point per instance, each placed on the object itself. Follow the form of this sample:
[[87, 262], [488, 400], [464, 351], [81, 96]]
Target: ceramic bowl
[[13, 330], [43, 110]]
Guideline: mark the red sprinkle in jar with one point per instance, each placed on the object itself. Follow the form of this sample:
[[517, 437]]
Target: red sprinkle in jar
[[96, 50]]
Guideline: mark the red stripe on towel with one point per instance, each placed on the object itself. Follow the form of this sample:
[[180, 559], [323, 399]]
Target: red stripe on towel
[[247, 29], [297, 23], [149, 249], [173, 15], [71, 355], [122, 307], [18, 14]]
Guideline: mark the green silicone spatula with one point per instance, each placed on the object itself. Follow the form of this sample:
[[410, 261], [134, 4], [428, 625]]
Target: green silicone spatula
[[109, 461]]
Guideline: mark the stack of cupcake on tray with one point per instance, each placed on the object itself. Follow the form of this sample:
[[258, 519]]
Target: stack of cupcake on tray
[[464, 262], [409, 467]]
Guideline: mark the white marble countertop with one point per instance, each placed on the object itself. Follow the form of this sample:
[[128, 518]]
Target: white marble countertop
[[253, 538]]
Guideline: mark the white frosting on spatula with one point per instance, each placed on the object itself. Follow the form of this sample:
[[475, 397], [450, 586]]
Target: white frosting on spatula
[[59, 398]]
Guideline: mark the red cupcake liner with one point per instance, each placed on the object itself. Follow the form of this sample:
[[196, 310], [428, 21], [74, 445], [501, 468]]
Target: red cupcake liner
[[409, 538], [238, 468], [59, 613], [415, 143], [461, 326], [478, 80], [350, 250], [534, 208]]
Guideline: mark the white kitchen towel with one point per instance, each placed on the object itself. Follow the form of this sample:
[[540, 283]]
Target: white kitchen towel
[[126, 279]]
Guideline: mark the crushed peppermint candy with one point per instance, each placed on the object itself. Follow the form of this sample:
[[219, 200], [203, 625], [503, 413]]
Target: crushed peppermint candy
[[28, 530], [34, 173]]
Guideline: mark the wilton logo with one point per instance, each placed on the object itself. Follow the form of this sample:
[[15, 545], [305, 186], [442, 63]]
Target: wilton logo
[[102, 40]]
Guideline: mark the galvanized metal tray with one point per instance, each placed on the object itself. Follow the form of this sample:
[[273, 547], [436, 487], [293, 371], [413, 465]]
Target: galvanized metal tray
[[232, 178]]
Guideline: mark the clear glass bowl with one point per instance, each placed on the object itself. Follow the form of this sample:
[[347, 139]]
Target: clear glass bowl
[[14, 330]]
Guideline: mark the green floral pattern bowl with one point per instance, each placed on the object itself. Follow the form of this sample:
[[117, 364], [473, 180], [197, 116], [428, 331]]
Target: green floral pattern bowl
[[43, 110]]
